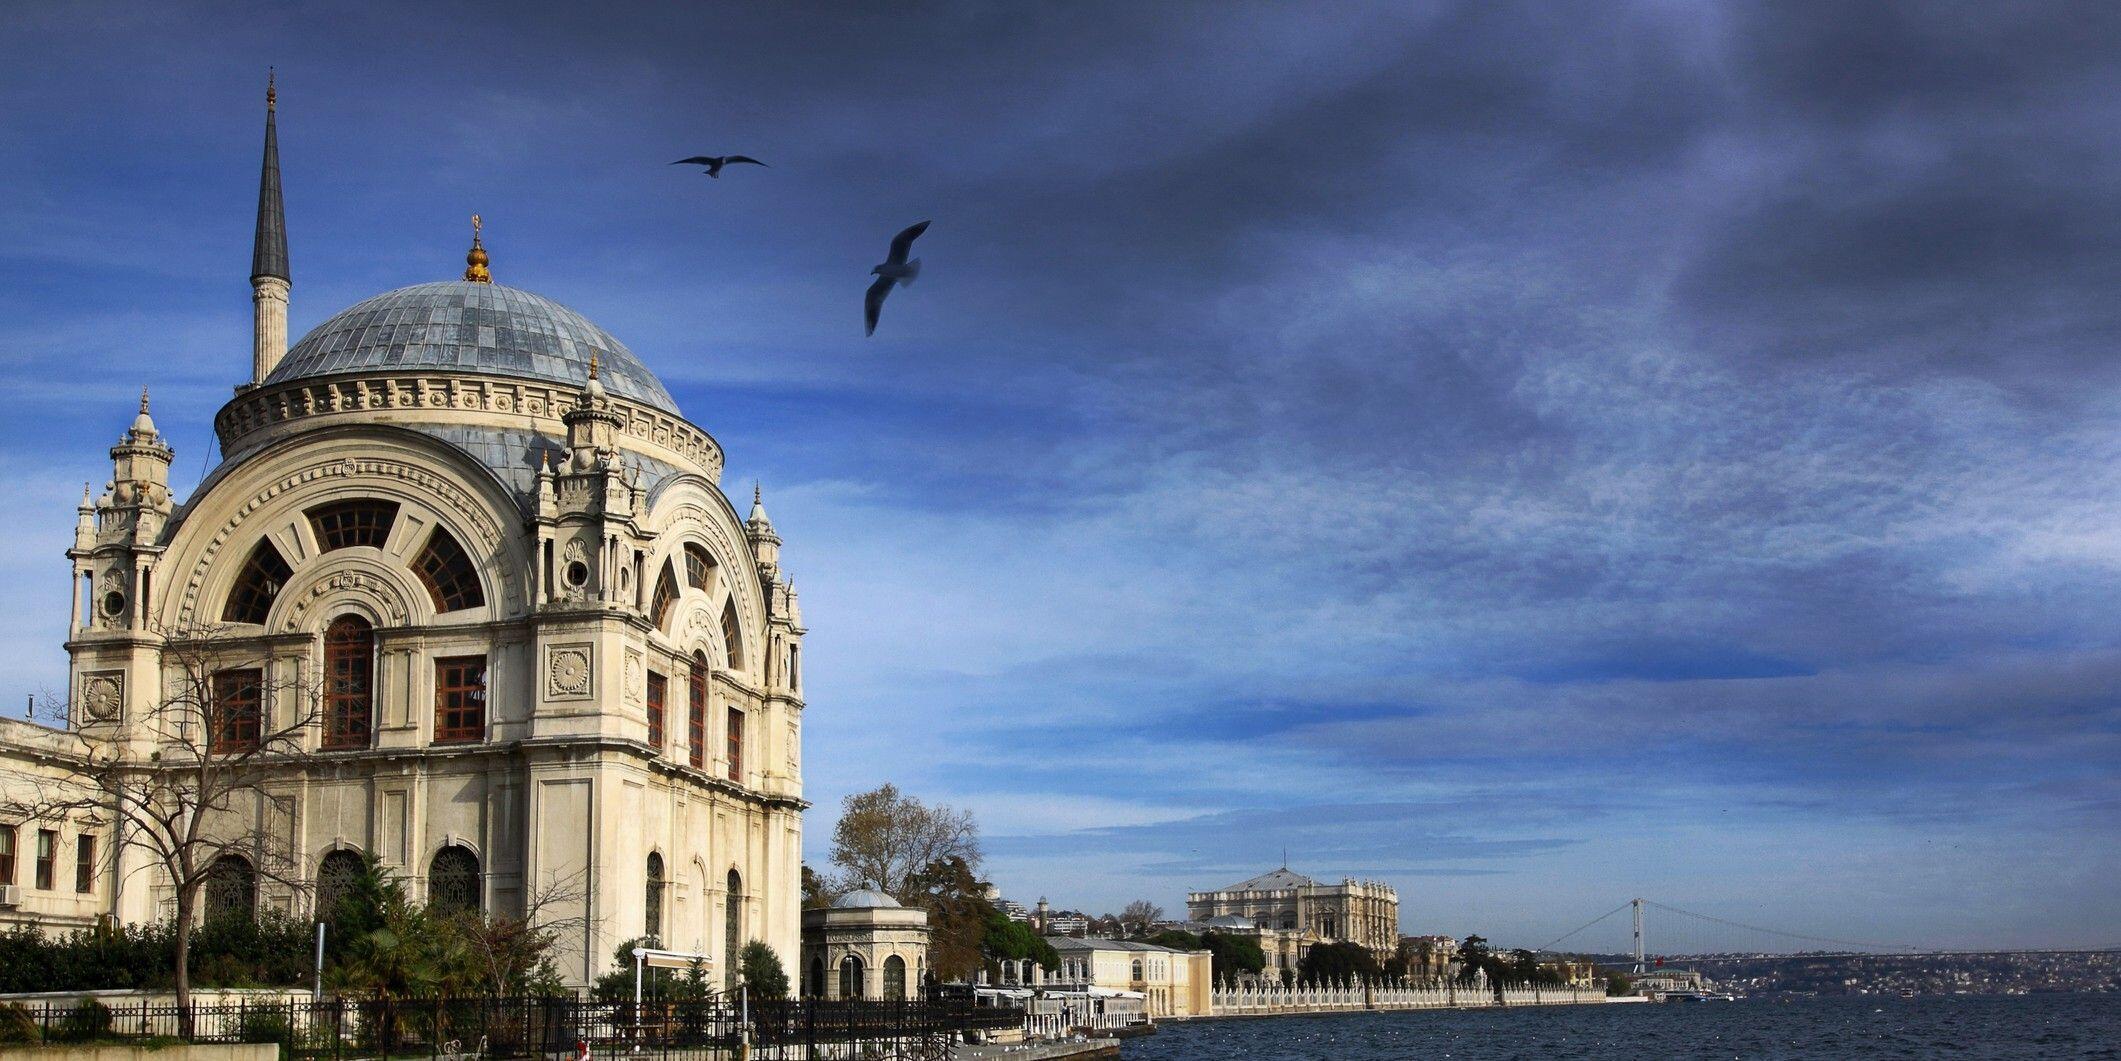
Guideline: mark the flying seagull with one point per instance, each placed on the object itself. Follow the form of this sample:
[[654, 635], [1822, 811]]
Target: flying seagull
[[714, 163], [894, 270]]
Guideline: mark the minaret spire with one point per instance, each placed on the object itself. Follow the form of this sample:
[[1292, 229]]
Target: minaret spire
[[269, 279]]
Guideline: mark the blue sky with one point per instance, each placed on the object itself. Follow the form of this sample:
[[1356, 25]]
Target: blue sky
[[1534, 455]]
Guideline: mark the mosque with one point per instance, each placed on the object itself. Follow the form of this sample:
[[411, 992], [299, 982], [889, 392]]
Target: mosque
[[469, 565]]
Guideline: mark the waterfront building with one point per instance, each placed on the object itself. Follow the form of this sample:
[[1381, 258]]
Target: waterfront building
[[865, 945], [1283, 949], [1364, 912], [468, 541], [1434, 955], [1172, 983]]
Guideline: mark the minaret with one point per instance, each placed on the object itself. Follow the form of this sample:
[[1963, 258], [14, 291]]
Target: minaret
[[269, 281]]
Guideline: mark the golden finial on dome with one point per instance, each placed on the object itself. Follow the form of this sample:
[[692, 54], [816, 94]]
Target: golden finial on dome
[[475, 260], [270, 95], [592, 364]]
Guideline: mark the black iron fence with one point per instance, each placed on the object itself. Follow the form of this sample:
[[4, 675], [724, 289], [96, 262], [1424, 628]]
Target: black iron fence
[[547, 1028]]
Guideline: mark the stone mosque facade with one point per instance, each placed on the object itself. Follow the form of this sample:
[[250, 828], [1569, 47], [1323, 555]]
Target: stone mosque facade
[[550, 665]]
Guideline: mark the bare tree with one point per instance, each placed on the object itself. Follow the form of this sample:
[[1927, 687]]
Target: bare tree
[[512, 952], [188, 779], [1141, 914], [884, 837]]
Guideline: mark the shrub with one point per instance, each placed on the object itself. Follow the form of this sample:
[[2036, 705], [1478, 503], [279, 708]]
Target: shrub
[[85, 1022], [16, 1025], [266, 1026]]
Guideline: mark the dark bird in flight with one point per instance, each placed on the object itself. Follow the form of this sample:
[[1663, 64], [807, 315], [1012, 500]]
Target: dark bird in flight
[[714, 163], [895, 270]]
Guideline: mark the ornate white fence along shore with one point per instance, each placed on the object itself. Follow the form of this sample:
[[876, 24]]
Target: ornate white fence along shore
[[1395, 994]]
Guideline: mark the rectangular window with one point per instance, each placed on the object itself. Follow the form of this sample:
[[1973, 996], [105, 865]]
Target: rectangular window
[[658, 690], [85, 863], [7, 854], [47, 853], [236, 723], [696, 718], [736, 745], [460, 699]]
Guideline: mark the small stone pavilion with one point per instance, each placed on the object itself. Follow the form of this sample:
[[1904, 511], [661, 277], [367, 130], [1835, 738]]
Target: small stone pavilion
[[865, 945]]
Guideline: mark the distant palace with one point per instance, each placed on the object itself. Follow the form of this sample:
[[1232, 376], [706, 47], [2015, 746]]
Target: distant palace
[[1291, 913]]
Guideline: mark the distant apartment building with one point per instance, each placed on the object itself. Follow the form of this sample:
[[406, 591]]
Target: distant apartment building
[[1364, 912]]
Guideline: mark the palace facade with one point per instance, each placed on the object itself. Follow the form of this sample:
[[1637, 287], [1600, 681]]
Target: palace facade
[[465, 553], [1291, 912]]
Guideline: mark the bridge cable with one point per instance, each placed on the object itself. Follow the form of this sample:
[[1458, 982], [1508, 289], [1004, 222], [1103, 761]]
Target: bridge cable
[[1779, 932], [1588, 924]]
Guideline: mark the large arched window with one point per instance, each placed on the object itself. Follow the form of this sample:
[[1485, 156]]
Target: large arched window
[[256, 585], [453, 880], [452, 580], [344, 524], [696, 718], [349, 682], [666, 596], [732, 920], [732, 635], [850, 977], [231, 888], [700, 568], [1137, 969], [653, 901], [894, 978], [336, 876]]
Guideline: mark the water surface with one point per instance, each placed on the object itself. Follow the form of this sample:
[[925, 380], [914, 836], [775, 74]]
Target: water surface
[[2034, 1026]]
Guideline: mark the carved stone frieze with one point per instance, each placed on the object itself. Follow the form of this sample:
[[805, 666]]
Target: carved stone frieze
[[265, 407]]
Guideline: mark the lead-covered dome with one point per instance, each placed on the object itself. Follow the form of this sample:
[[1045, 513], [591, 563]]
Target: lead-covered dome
[[462, 326]]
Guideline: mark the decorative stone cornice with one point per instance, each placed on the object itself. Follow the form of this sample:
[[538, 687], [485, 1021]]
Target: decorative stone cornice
[[259, 408]]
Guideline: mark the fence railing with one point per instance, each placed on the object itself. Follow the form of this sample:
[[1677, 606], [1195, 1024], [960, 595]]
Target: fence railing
[[1395, 994], [464, 1028]]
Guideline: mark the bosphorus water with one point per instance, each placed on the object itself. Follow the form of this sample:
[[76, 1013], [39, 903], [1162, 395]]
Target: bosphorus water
[[2034, 1026]]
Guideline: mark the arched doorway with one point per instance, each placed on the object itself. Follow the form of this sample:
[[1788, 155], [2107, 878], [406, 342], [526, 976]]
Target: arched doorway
[[894, 978]]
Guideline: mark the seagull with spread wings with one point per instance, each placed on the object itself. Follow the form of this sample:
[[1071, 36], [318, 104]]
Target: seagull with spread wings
[[714, 163], [895, 270]]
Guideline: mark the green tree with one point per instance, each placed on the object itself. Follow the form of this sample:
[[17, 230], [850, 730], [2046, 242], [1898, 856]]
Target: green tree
[[1175, 939], [1618, 983], [1234, 955], [761, 969], [958, 909], [1334, 962], [1014, 940]]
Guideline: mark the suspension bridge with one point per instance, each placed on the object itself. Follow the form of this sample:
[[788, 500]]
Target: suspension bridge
[[1685, 933]]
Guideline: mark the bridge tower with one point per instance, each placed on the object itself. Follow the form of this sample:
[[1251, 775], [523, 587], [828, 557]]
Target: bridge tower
[[1639, 970]]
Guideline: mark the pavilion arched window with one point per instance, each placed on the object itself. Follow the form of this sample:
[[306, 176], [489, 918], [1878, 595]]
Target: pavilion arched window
[[850, 977], [336, 876], [817, 977], [452, 580], [732, 635], [453, 881], [894, 978], [345, 524], [250, 600], [231, 889], [349, 682]]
